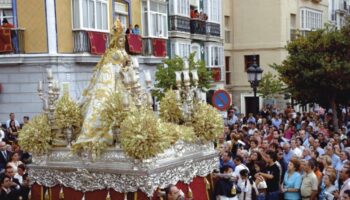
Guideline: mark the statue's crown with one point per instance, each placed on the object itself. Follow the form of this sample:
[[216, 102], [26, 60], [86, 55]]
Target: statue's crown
[[117, 28]]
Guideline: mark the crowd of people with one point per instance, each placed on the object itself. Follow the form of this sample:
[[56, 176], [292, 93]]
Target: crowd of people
[[283, 155], [271, 155], [14, 179]]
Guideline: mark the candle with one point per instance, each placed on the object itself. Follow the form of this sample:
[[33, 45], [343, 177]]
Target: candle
[[49, 72], [149, 99], [135, 62], [178, 77], [148, 78], [126, 100], [46, 104], [194, 75], [186, 76], [40, 86], [178, 97], [186, 64]]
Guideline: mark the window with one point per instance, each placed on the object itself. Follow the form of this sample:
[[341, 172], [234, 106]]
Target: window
[[90, 14], [227, 21], [121, 12], [249, 60], [179, 7], [227, 70], [6, 14], [214, 55], [212, 8], [180, 48], [195, 47], [310, 19], [154, 18]]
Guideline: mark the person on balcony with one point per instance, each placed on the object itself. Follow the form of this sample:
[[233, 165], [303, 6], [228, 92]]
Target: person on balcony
[[194, 14], [136, 30], [129, 30], [6, 24]]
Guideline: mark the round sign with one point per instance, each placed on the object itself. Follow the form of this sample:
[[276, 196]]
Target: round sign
[[221, 100]]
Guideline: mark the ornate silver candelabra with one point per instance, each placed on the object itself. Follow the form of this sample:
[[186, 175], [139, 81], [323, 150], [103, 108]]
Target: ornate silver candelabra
[[187, 91], [51, 95]]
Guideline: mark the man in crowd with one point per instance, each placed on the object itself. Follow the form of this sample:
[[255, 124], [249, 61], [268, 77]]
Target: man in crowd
[[309, 184], [12, 118]]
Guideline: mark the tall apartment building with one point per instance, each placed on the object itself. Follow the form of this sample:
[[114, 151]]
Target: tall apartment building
[[66, 35], [338, 10], [261, 29], [187, 35]]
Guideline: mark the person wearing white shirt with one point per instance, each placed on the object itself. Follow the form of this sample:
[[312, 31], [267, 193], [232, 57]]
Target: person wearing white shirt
[[296, 151], [239, 165], [12, 117]]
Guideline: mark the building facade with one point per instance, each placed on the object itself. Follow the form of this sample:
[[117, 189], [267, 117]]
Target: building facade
[[261, 30], [338, 11], [70, 35]]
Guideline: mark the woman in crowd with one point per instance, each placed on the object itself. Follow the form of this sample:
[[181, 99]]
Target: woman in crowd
[[14, 162], [260, 181], [328, 188], [13, 131], [292, 181]]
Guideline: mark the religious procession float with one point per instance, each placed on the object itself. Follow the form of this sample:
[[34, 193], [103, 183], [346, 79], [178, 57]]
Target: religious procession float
[[110, 144]]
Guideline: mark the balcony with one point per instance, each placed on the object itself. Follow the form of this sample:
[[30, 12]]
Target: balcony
[[179, 23], [154, 47], [82, 41], [198, 27], [213, 29], [12, 41]]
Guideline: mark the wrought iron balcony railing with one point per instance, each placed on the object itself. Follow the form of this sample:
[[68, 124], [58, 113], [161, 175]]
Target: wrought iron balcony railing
[[198, 26], [213, 29], [179, 23]]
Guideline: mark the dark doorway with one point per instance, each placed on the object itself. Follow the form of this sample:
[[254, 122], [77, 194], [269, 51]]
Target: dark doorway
[[251, 105]]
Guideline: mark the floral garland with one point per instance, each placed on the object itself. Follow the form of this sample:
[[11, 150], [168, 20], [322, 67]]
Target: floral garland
[[207, 122], [35, 137], [142, 136], [113, 112], [176, 132], [67, 113], [169, 110]]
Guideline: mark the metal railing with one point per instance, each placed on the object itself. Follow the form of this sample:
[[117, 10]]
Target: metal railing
[[17, 40], [147, 47], [179, 23], [213, 29], [82, 42], [198, 26]]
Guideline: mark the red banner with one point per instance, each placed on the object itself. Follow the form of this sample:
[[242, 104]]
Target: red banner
[[5, 40], [134, 44], [97, 42], [159, 47]]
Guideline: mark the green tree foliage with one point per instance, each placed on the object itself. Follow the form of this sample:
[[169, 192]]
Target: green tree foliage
[[317, 69], [166, 79], [270, 85]]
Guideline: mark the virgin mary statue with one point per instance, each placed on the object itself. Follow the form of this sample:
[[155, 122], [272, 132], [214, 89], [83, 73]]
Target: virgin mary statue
[[104, 81]]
